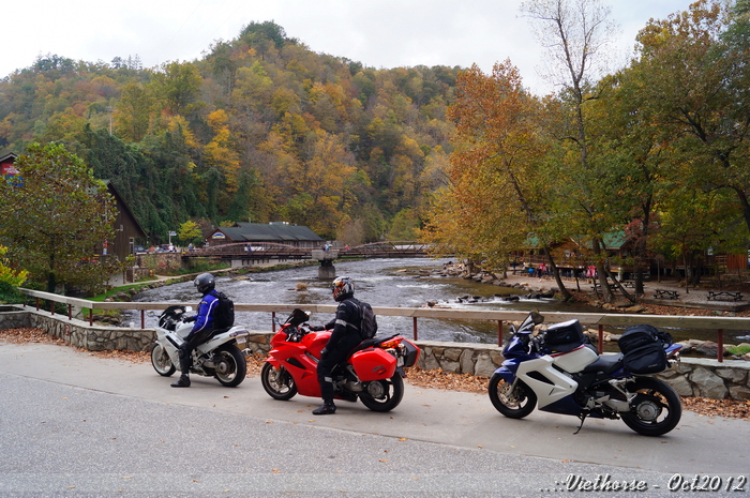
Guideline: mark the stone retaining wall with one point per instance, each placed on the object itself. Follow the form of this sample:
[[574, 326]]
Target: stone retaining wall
[[79, 333], [692, 377]]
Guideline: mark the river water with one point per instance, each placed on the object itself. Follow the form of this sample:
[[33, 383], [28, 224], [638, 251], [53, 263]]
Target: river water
[[409, 282]]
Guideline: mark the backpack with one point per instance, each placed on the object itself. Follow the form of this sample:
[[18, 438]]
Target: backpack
[[369, 325], [224, 314]]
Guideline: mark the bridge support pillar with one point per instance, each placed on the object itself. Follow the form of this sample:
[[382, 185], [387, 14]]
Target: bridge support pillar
[[326, 271]]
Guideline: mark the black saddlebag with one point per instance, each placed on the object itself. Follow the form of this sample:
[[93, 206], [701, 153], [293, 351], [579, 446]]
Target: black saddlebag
[[564, 337], [643, 347]]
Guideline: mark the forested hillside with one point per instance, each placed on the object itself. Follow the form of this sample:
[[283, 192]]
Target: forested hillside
[[261, 128]]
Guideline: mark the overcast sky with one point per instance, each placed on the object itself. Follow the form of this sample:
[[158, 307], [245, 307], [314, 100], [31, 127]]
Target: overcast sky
[[378, 33]]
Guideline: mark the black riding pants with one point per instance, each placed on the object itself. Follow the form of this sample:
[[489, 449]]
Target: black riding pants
[[326, 365], [192, 341]]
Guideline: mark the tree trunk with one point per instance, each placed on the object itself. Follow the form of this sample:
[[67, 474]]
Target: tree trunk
[[565, 293]]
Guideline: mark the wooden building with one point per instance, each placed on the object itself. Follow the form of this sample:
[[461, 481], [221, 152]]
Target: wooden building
[[128, 232], [259, 233]]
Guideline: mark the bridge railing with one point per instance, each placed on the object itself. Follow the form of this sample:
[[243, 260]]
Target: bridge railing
[[599, 320]]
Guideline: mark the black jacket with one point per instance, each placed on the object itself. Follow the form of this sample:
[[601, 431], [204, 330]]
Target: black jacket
[[346, 325]]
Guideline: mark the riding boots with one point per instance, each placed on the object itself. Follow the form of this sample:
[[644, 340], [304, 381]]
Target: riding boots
[[183, 381], [328, 408]]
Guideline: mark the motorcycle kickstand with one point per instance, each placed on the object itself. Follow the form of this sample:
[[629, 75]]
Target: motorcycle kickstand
[[582, 416]]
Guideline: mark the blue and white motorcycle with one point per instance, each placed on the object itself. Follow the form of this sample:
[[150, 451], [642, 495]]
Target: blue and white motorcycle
[[559, 372]]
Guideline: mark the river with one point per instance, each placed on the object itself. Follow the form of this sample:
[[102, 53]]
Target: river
[[408, 282]]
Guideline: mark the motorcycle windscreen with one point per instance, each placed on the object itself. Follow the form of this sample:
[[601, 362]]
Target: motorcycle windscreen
[[373, 364]]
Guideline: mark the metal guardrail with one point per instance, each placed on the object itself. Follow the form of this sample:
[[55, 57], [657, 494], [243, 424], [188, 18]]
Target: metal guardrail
[[598, 320]]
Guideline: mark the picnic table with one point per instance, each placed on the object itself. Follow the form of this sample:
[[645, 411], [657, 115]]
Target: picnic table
[[666, 294], [724, 296]]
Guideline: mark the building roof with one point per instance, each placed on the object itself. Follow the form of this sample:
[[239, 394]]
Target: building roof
[[272, 232]]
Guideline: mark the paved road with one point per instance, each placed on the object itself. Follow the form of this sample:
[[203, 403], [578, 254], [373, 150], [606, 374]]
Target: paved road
[[72, 424]]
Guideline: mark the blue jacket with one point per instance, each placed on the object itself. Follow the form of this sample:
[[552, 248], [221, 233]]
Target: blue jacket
[[206, 311]]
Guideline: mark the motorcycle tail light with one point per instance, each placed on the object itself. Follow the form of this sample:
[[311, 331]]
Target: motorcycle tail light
[[390, 344]]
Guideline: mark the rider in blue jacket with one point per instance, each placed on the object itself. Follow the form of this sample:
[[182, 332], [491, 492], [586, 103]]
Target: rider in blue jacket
[[204, 325]]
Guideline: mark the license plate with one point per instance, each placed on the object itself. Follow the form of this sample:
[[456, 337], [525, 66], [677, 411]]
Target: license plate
[[241, 340]]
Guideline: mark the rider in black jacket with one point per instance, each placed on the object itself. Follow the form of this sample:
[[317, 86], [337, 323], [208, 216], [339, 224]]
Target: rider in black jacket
[[345, 337]]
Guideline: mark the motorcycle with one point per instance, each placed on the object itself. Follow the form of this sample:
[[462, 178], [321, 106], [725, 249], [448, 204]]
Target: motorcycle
[[373, 372], [559, 372], [218, 357]]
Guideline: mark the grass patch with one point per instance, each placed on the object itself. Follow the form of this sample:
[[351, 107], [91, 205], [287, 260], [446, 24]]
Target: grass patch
[[738, 350]]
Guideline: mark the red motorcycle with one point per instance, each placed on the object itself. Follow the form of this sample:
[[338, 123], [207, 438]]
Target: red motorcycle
[[373, 371]]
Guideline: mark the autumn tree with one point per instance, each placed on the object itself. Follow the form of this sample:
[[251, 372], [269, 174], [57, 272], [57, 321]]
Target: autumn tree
[[497, 199], [55, 214], [695, 70], [177, 86], [190, 232], [575, 31], [133, 112]]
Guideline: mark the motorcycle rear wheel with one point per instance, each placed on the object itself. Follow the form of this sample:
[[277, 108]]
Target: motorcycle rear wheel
[[521, 402], [383, 395], [656, 409], [161, 362], [234, 367], [278, 384]]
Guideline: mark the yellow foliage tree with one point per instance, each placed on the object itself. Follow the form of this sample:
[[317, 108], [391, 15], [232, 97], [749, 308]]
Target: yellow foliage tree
[[219, 152]]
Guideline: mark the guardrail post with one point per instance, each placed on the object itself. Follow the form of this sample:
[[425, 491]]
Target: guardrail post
[[416, 332], [91, 317], [273, 320], [37, 304], [499, 333], [720, 349], [143, 319], [601, 338], [52, 307], [70, 312]]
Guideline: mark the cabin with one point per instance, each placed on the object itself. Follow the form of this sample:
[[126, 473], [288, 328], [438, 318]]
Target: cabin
[[128, 232], [7, 165], [259, 233]]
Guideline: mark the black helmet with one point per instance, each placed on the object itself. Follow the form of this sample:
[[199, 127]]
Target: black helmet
[[343, 288], [204, 283]]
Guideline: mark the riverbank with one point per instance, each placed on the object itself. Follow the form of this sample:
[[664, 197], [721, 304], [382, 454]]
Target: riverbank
[[688, 302]]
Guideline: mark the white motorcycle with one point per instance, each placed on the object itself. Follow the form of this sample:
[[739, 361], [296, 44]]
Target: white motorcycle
[[218, 357], [560, 373]]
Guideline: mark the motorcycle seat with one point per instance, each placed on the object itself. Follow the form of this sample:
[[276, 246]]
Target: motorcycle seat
[[605, 364]]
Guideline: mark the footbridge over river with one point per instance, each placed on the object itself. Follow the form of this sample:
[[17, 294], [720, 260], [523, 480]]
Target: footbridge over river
[[249, 254]]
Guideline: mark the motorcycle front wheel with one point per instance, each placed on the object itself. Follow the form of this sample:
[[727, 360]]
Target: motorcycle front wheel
[[656, 408], [161, 362], [383, 395], [277, 383], [231, 366], [518, 404]]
